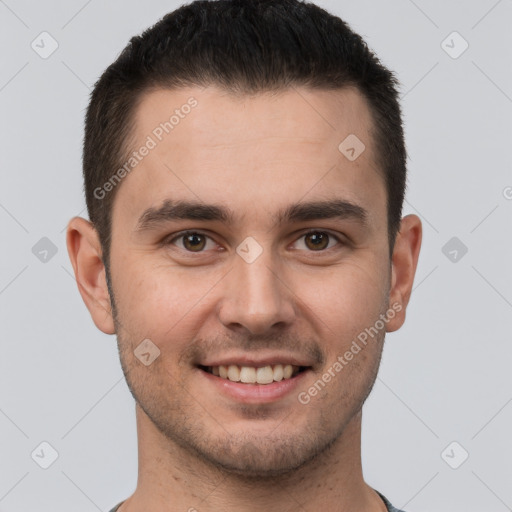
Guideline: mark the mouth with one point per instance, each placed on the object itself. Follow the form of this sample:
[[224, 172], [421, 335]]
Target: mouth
[[255, 375]]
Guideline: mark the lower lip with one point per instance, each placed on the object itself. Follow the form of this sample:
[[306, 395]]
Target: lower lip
[[256, 393]]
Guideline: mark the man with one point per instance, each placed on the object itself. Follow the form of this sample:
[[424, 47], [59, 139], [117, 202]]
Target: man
[[245, 169]]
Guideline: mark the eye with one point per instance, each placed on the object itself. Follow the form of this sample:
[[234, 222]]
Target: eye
[[318, 241], [192, 241]]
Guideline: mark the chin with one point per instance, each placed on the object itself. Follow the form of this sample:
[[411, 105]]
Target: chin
[[263, 458]]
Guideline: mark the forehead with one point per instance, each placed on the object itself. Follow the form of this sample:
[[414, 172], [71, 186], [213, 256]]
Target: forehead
[[207, 144], [218, 118]]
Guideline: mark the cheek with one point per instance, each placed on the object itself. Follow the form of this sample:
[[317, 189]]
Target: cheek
[[346, 303], [158, 300]]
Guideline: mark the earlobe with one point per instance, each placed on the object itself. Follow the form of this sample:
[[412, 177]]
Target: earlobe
[[403, 268], [84, 251]]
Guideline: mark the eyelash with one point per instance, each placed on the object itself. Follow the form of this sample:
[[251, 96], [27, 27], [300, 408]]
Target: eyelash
[[181, 234]]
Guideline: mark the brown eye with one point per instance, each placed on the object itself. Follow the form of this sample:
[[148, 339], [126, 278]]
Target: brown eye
[[317, 240], [190, 241], [194, 242]]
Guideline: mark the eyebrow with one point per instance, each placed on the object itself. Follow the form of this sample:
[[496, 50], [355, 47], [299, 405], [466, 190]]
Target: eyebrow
[[304, 211]]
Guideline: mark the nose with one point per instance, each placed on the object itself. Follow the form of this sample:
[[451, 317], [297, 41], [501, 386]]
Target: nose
[[256, 296]]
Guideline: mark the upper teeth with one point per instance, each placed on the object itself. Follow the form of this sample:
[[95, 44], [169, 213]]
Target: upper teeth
[[252, 375]]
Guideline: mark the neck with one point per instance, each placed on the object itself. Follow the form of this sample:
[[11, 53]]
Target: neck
[[172, 479]]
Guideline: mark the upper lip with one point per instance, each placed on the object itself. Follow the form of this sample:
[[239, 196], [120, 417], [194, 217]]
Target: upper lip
[[257, 361]]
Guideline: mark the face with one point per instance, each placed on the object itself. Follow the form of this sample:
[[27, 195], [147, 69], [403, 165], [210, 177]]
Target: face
[[284, 262]]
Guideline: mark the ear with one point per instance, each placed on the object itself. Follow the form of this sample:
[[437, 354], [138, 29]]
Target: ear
[[85, 253], [403, 268]]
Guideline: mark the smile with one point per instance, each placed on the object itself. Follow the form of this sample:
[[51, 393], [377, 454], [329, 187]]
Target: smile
[[254, 375]]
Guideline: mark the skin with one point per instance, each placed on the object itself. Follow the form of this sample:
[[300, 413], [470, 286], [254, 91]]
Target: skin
[[199, 449]]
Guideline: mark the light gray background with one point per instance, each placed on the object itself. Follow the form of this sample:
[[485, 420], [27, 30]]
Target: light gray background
[[445, 376]]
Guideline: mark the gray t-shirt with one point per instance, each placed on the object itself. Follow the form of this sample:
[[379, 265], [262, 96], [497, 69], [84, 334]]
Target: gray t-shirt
[[384, 499], [386, 502]]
